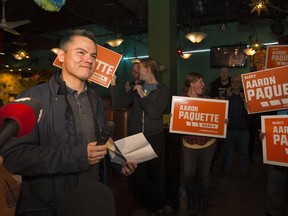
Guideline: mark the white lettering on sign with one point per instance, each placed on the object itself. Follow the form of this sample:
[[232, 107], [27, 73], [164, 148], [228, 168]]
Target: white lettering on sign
[[278, 122], [252, 76], [268, 92], [279, 57], [104, 67], [189, 108], [280, 129], [280, 135], [204, 117], [261, 82], [279, 52]]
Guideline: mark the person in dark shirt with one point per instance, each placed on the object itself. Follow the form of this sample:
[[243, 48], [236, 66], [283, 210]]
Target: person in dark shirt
[[219, 85], [238, 129]]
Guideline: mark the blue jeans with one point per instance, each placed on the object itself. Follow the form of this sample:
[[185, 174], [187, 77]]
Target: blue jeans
[[241, 139], [197, 161]]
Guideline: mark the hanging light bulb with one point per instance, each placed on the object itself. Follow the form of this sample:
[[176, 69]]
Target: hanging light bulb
[[249, 51], [195, 37]]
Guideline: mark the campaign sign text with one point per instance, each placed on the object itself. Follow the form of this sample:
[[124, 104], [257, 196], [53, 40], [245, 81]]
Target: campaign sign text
[[199, 116], [275, 142], [276, 56], [266, 90]]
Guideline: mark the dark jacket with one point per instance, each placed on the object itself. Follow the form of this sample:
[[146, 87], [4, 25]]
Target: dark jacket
[[237, 114], [49, 160], [218, 89], [146, 114]]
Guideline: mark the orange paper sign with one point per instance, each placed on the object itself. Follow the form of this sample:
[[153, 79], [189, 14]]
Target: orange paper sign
[[275, 142], [266, 90], [199, 116], [276, 56], [106, 64]]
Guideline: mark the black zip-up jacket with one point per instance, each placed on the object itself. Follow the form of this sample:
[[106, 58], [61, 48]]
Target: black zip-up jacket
[[146, 114], [50, 163]]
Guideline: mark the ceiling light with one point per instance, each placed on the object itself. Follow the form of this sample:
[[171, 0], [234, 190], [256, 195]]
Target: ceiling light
[[249, 51], [195, 37], [259, 6], [20, 55], [115, 42], [55, 50], [186, 55]]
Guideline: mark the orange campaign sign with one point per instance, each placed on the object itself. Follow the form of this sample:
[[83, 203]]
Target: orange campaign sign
[[266, 90], [199, 116], [276, 56], [106, 64], [275, 142]]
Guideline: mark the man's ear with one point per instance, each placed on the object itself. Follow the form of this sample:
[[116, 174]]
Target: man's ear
[[60, 55]]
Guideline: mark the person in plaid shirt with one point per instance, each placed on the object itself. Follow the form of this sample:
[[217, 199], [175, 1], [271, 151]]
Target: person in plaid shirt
[[198, 153]]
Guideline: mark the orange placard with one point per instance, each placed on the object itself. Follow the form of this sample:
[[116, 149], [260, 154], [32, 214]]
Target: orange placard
[[106, 65], [275, 142], [266, 90], [199, 116], [276, 56]]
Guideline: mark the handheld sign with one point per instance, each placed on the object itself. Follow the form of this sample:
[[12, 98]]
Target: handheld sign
[[266, 90], [276, 56], [199, 116], [107, 62], [275, 142]]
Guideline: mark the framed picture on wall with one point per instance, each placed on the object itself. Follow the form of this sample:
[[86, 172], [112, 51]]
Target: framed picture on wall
[[229, 56]]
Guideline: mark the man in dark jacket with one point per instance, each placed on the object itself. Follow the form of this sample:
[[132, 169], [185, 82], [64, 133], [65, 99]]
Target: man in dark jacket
[[220, 85], [61, 152]]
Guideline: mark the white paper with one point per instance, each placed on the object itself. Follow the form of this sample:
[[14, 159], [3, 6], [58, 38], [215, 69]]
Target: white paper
[[133, 148]]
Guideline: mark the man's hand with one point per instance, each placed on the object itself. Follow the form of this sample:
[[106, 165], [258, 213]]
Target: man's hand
[[113, 80], [96, 152], [128, 168]]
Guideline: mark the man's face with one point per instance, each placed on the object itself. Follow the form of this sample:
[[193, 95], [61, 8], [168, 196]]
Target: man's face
[[236, 82], [135, 71], [224, 74], [79, 59]]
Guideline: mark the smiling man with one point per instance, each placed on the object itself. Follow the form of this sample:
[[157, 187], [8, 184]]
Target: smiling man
[[61, 153]]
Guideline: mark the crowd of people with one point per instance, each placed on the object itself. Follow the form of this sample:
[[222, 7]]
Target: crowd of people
[[60, 156]]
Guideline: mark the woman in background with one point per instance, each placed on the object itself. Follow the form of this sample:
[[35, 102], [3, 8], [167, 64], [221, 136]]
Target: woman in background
[[198, 152], [148, 101]]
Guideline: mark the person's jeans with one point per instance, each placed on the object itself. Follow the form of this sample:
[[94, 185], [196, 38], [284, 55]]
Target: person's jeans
[[197, 161], [274, 190], [241, 139]]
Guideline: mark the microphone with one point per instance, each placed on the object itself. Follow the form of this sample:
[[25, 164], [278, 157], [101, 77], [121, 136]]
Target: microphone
[[18, 118], [106, 133]]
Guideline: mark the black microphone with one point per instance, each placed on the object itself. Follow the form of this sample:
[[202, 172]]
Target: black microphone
[[18, 118], [106, 133]]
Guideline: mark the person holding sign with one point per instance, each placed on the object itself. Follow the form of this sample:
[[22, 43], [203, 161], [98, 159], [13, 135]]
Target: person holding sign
[[148, 101], [198, 153], [277, 177], [238, 129]]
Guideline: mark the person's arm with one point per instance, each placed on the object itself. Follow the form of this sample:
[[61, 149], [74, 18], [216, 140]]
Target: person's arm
[[155, 105], [119, 101]]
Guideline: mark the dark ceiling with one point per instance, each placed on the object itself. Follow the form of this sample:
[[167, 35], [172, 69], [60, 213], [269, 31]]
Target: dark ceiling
[[128, 17]]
